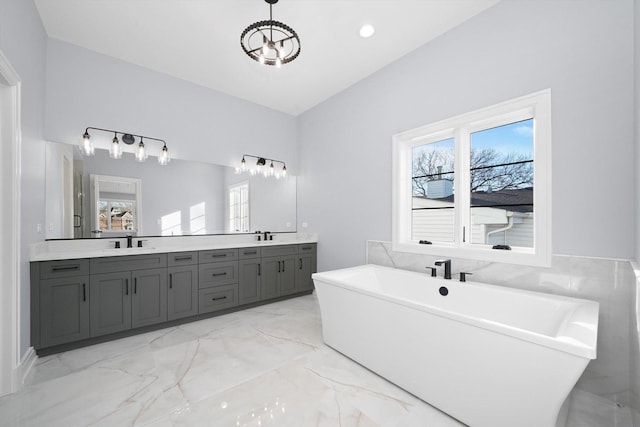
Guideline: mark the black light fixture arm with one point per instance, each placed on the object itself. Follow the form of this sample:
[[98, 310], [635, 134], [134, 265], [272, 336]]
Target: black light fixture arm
[[262, 161], [86, 131]]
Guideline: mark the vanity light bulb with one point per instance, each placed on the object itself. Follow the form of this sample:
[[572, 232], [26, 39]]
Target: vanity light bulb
[[278, 62], [271, 169], [141, 152], [115, 149], [284, 171], [164, 158], [86, 146], [243, 165]]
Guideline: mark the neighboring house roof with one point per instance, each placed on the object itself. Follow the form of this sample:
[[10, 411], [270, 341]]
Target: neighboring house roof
[[520, 200]]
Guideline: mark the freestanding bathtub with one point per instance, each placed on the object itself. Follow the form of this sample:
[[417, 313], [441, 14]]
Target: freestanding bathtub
[[489, 356]]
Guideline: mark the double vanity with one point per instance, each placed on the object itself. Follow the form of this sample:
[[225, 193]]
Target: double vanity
[[84, 293]]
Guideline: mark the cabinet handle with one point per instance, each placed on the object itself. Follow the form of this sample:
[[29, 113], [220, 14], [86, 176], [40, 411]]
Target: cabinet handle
[[218, 298], [283, 266], [279, 266], [67, 268], [300, 264], [218, 255], [251, 252], [170, 280], [126, 281], [84, 292], [219, 274], [183, 258], [259, 269], [135, 285]]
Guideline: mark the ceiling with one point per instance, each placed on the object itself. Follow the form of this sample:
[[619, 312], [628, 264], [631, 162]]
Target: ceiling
[[199, 40]]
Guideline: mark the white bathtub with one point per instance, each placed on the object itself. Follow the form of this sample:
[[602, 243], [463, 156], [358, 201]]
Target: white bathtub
[[486, 355]]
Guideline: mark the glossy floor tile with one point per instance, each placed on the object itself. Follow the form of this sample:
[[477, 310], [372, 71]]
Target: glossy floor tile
[[265, 366]]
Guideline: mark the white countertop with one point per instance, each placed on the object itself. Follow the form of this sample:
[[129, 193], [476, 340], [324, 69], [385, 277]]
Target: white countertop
[[96, 248]]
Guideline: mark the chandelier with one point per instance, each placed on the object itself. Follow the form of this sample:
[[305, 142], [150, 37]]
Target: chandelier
[[115, 148], [270, 42]]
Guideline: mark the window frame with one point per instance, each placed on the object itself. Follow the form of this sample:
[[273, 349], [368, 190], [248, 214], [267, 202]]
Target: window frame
[[238, 188], [536, 105]]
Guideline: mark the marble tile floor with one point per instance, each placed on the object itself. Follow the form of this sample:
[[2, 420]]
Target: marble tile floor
[[265, 366]]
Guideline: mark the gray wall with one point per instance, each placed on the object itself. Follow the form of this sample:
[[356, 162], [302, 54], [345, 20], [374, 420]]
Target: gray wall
[[23, 41], [85, 88], [512, 49]]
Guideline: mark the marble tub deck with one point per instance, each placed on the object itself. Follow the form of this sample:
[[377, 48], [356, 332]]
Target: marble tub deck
[[265, 366]]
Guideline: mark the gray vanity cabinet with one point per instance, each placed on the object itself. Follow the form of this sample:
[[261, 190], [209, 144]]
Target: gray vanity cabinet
[[249, 275], [149, 297], [77, 302], [110, 296], [278, 277], [306, 266], [126, 293], [64, 316], [182, 297]]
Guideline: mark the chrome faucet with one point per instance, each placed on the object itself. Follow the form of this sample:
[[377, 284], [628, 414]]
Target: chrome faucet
[[129, 241], [447, 267]]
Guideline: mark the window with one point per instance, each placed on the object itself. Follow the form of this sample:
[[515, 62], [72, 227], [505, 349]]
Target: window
[[239, 208], [116, 205], [478, 185]]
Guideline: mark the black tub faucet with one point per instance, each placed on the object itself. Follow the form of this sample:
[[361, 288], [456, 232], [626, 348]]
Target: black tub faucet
[[447, 267]]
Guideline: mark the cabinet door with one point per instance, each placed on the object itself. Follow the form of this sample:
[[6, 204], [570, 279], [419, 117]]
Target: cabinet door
[[110, 302], [149, 297], [269, 278], [249, 275], [64, 313], [304, 270], [182, 298], [287, 276]]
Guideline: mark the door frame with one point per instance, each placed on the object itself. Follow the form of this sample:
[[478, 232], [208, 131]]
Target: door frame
[[11, 141]]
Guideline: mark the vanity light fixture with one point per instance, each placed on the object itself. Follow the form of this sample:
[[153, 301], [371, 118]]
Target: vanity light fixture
[[262, 168], [270, 42], [116, 149]]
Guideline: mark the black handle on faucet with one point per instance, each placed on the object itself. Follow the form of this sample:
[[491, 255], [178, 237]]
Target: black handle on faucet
[[463, 276], [433, 271]]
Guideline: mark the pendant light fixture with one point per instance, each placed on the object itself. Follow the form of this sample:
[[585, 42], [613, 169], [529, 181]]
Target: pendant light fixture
[[270, 42], [141, 152]]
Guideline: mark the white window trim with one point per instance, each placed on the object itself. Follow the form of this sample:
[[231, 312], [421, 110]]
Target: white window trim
[[537, 105]]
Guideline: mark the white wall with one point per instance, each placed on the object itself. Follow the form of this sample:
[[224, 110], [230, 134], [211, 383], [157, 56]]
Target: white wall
[[23, 41], [85, 89], [512, 49]]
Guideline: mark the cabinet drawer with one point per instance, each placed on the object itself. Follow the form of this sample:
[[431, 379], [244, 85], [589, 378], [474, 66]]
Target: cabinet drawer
[[307, 248], [64, 268], [127, 263], [219, 273], [182, 258], [218, 255], [247, 253], [217, 298], [280, 250]]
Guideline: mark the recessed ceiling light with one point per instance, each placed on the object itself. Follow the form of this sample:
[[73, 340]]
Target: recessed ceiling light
[[367, 31]]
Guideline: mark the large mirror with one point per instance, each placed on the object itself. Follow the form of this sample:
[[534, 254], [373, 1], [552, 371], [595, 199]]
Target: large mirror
[[97, 196]]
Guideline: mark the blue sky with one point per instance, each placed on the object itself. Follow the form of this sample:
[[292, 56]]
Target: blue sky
[[508, 138]]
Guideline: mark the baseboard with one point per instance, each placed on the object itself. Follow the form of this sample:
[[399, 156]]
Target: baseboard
[[23, 369]]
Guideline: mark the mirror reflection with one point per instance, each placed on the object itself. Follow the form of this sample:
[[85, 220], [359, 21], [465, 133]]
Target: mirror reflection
[[101, 197]]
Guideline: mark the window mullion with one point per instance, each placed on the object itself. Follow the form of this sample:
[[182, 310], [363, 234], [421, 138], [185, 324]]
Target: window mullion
[[462, 185]]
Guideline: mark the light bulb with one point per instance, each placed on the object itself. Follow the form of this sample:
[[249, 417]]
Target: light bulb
[[367, 31], [115, 149], [164, 158], [278, 62], [284, 171], [261, 59], [271, 170], [243, 165], [86, 146], [141, 152]]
